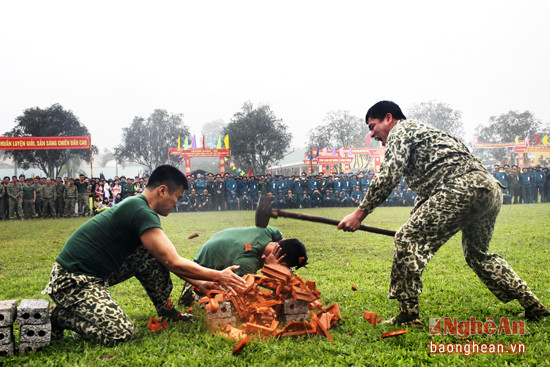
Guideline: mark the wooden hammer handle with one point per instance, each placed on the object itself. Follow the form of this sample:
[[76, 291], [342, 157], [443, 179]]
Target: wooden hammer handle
[[314, 218]]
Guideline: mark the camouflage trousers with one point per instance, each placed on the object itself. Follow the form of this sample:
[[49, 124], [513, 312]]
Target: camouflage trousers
[[59, 207], [83, 204], [85, 305], [48, 208], [16, 206], [469, 204], [28, 208], [69, 206]]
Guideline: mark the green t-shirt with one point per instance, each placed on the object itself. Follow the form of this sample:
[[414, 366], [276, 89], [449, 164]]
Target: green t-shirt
[[101, 245], [228, 247], [28, 192], [81, 186]]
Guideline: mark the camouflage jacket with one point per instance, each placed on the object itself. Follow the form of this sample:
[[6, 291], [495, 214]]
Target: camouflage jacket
[[38, 190], [428, 158], [49, 192], [15, 190], [59, 189], [70, 192]]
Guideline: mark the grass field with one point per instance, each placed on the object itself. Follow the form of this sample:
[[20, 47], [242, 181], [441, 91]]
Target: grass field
[[337, 260]]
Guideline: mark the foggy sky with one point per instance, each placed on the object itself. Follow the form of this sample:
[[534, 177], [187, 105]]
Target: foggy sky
[[108, 61]]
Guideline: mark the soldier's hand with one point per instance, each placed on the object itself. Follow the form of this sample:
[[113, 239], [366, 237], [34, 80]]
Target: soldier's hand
[[228, 279], [352, 222]]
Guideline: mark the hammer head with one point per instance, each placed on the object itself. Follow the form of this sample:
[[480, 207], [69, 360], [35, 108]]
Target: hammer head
[[263, 212]]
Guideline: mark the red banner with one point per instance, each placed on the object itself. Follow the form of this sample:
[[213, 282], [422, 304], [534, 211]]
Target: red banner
[[533, 149], [44, 142]]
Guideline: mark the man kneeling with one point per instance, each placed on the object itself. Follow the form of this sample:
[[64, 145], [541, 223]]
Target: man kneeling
[[249, 248], [120, 243]]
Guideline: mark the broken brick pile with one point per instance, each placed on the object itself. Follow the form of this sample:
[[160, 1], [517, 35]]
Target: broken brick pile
[[269, 300]]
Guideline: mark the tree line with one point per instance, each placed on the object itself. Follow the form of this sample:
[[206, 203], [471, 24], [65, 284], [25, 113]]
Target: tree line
[[257, 137]]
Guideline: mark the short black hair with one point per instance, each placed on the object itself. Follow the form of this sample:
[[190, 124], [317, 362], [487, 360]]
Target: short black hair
[[294, 251], [167, 175], [382, 108]]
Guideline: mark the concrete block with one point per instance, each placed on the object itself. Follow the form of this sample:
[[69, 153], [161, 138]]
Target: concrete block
[[296, 317], [6, 335], [36, 334], [8, 310], [33, 311], [225, 311], [28, 347], [295, 307], [7, 349]]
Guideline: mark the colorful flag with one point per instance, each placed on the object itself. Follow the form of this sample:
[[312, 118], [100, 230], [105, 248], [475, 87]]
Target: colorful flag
[[203, 144], [186, 144], [179, 142], [333, 153], [527, 140], [211, 142], [369, 140], [350, 152], [324, 151], [220, 143], [342, 152], [226, 141], [249, 173], [194, 142], [517, 139], [537, 140], [545, 140], [374, 143]]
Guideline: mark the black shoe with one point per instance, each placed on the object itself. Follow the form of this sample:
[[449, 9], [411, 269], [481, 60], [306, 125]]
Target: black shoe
[[57, 331], [174, 315], [405, 319], [535, 312], [187, 296]]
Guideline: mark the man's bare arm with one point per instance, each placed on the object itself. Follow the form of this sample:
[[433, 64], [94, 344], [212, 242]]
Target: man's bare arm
[[160, 246]]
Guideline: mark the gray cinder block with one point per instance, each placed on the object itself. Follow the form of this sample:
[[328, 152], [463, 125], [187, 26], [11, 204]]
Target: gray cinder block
[[33, 311], [36, 334], [294, 307], [296, 317], [225, 311], [6, 335], [7, 349], [8, 310]]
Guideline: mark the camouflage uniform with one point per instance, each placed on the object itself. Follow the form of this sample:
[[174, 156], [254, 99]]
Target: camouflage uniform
[[69, 195], [85, 305], [16, 205], [49, 194], [455, 193], [59, 189]]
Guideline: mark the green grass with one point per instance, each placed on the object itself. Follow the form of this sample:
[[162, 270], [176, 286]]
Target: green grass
[[337, 260]]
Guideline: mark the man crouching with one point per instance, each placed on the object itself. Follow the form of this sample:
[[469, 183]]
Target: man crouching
[[116, 245]]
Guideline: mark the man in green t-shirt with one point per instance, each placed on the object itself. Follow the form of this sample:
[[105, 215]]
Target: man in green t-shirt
[[120, 243], [250, 248]]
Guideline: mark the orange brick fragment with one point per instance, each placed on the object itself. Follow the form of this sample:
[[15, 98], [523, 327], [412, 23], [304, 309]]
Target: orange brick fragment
[[394, 333], [191, 236], [155, 325], [244, 341], [371, 317], [353, 287]]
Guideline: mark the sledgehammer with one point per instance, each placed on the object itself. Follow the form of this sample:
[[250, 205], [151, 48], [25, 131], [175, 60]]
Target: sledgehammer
[[264, 212]]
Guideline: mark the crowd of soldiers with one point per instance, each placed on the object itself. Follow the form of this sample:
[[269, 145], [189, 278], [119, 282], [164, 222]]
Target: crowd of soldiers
[[531, 185], [43, 197], [216, 192]]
